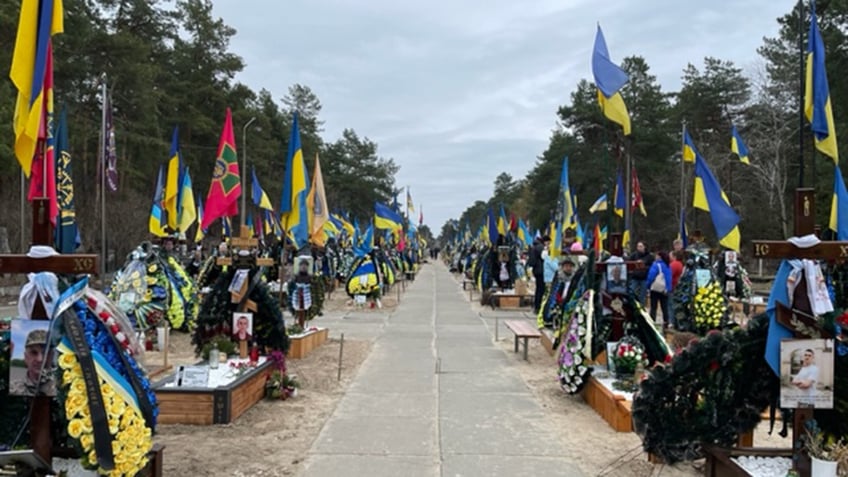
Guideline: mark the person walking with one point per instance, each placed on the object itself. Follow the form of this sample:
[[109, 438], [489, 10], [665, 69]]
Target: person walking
[[660, 279], [638, 283], [536, 263]]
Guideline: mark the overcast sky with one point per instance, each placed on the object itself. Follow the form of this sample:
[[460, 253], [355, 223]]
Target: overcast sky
[[459, 91]]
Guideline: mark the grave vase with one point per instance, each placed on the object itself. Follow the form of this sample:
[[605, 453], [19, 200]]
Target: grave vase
[[822, 468]]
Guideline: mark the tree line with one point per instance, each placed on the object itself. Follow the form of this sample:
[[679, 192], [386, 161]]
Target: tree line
[[168, 64], [764, 105]]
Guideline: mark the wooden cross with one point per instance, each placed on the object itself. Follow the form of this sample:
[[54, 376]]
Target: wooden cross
[[800, 318], [244, 241], [42, 233]]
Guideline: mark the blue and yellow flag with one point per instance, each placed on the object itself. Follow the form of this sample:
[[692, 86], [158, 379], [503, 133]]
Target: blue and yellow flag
[[155, 223], [600, 205], [260, 198], [66, 227], [683, 234], [817, 107], [503, 223], [839, 206], [620, 201], [38, 22], [524, 233], [293, 206], [690, 152], [566, 199], [199, 233], [609, 78], [188, 211], [556, 239], [386, 218], [172, 183], [737, 146], [710, 198], [410, 206]]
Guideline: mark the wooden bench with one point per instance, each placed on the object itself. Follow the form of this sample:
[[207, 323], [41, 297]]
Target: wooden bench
[[522, 329]]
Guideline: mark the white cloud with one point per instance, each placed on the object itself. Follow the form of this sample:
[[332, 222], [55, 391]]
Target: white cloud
[[459, 90]]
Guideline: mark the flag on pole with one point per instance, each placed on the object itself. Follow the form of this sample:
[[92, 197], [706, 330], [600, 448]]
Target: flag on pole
[[609, 79], [188, 210], [410, 206], [39, 20], [600, 205], [260, 198], [839, 206], [110, 152], [386, 218], [817, 106], [638, 203], [738, 147], [225, 190], [317, 202], [597, 241], [502, 222], [566, 200], [293, 207], [172, 182], [155, 223], [199, 233], [683, 234], [690, 152], [43, 173], [709, 197], [421, 215], [66, 227]]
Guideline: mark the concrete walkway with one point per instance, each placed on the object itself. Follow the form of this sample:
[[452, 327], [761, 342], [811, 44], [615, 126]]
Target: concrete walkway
[[436, 397]]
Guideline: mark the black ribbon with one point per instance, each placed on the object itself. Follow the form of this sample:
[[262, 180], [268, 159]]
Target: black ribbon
[[99, 421], [144, 403]]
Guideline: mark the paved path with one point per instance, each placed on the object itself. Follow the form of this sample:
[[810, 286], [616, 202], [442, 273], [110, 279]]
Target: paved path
[[474, 417]]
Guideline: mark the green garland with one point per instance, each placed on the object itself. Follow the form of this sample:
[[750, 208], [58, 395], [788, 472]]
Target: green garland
[[713, 391], [215, 317]]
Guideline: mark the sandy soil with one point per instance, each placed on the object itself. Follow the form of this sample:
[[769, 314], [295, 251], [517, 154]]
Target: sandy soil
[[273, 437]]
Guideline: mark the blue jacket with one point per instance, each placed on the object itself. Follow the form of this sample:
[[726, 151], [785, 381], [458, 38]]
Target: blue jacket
[[657, 267], [550, 268]]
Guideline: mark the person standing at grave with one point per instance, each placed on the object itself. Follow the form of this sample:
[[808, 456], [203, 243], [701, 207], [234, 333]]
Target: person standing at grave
[[537, 265], [638, 277], [660, 279], [676, 267], [807, 378]]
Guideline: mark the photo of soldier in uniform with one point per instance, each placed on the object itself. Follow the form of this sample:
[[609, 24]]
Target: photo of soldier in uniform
[[32, 369]]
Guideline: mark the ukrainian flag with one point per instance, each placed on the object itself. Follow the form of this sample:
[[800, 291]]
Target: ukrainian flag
[[293, 209], [690, 152], [683, 234], [188, 211], [817, 107], [710, 198], [172, 183], [568, 209], [839, 206], [502, 222], [155, 223], [386, 218], [524, 233], [620, 201], [199, 233], [38, 22], [737, 146], [260, 198], [609, 78], [600, 205]]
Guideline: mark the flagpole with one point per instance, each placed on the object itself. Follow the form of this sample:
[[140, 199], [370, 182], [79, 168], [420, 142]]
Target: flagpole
[[244, 172], [102, 155], [682, 168], [801, 93], [628, 193]]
